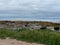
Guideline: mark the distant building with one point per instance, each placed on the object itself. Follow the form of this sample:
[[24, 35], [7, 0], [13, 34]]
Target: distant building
[[50, 28], [54, 28]]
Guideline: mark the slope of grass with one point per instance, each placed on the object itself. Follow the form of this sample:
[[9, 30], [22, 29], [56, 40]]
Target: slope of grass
[[39, 36]]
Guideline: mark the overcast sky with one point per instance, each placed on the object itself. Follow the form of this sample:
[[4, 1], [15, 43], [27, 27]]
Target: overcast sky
[[45, 5], [30, 9]]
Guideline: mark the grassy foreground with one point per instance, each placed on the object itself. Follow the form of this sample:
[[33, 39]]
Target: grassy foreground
[[39, 36]]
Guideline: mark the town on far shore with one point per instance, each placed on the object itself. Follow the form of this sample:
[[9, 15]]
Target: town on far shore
[[31, 25]]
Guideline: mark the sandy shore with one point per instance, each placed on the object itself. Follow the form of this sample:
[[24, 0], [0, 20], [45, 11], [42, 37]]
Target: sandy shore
[[15, 42]]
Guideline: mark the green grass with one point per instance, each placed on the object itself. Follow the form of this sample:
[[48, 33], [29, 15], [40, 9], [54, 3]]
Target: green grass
[[38, 36]]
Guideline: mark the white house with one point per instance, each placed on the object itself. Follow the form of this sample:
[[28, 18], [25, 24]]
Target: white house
[[50, 28]]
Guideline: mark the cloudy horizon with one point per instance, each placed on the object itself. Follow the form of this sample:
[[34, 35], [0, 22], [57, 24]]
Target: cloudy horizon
[[45, 10]]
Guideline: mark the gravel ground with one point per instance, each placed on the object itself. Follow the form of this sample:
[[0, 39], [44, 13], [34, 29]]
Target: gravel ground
[[15, 42]]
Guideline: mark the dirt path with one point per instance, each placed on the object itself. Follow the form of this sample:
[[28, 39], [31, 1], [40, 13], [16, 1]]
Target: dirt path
[[15, 42]]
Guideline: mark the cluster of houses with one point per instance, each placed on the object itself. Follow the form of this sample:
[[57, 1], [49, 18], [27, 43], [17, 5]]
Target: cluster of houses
[[31, 26]]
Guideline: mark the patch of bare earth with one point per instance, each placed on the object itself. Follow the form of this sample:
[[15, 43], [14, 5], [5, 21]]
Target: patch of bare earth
[[15, 42]]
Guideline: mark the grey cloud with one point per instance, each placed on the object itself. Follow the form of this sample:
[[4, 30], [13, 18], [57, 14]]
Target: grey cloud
[[45, 5]]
